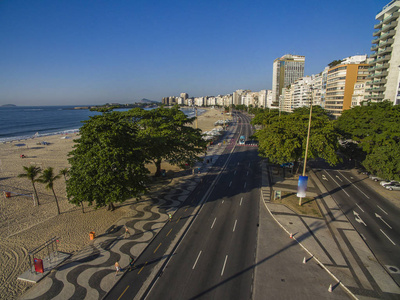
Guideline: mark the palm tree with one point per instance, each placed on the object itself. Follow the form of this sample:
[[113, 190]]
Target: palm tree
[[65, 172], [31, 173], [48, 178]]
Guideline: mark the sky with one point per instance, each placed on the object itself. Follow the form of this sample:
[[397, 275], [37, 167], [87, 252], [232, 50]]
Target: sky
[[90, 52]]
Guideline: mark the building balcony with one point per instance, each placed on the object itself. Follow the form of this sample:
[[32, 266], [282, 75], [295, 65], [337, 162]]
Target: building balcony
[[389, 26], [383, 58], [378, 74], [386, 43], [385, 50], [376, 89], [375, 82], [374, 48], [377, 32], [390, 18], [379, 25], [381, 67], [374, 55], [376, 41], [374, 97]]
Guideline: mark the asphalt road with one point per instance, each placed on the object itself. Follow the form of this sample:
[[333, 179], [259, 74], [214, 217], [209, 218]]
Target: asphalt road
[[222, 201], [215, 259], [375, 218]]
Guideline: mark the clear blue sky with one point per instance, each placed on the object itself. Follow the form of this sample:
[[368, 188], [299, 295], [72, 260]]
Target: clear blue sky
[[78, 52]]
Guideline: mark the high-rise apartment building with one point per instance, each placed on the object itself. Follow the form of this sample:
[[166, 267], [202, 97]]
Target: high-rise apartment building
[[286, 70], [384, 71], [340, 85]]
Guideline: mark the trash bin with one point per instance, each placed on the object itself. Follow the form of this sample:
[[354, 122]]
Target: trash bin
[[92, 235]]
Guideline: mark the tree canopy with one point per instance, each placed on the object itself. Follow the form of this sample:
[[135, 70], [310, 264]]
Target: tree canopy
[[108, 163], [167, 134], [375, 129], [283, 139]]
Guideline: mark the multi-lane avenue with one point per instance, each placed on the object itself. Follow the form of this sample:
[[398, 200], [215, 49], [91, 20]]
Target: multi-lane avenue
[[375, 218]]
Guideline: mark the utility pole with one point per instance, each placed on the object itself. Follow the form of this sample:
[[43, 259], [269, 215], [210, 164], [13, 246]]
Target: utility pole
[[308, 138]]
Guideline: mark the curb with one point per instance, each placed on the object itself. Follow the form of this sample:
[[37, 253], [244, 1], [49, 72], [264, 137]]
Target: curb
[[309, 252]]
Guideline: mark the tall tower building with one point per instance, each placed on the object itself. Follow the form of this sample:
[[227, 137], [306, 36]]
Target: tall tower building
[[383, 80], [286, 70]]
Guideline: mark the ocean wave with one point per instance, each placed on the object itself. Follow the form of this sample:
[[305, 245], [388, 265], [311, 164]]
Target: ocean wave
[[36, 135]]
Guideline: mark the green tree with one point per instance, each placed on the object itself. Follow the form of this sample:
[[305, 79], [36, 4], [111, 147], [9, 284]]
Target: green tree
[[48, 179], [374, 127], [167, 134], [108, 161], [31, 173], [284, 140]]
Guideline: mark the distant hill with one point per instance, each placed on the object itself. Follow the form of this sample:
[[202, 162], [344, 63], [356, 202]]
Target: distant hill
[[8, 105], [144, 100]]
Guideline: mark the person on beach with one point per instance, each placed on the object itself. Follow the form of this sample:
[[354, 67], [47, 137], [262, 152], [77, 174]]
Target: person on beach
[[117, 268], [127, 233]]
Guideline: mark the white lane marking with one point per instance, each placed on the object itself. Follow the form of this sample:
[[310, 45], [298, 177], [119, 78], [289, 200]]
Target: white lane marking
[[222, 201], [234, 173], [382, 210], [230, 184], [234, 226], [337, 176], [358, 219], [247, 173], [355, 186], [387, 237], [324, 177], [213, 223], [363, 237], [245, 184], [359, 207], [196, 261], [223, 268], [241, 199], [379, 217], [337, 183]]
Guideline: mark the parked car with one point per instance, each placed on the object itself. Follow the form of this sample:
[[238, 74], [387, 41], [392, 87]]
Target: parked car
[[384, 183], [393, 187], [375, 178]]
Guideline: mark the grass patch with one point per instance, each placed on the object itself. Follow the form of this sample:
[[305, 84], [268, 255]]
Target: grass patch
[[309, 206]]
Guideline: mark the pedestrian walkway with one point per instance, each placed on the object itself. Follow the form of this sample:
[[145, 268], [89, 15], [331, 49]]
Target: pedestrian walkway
[[91, 273], [332, 241]]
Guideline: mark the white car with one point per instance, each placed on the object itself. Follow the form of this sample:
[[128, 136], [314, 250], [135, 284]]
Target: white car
[[393, 187], [375, 178], [384, 183]]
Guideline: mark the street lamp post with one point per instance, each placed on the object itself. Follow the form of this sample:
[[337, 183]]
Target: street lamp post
[[308, 139]]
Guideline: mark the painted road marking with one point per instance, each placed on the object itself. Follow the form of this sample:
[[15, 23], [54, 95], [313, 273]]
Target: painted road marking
[[382, 210], [234, 173], [337, 183], [213, 223], [223, 268], [169, 232], [196, 261], [234, 226], [157, 248], [245, 184], [230, 184], [359, 207], [178, 219], [241, 199], [247, 173], [355, 186], [379, 217], [123, 292], [358, 218], [142, 268], [387, 237]]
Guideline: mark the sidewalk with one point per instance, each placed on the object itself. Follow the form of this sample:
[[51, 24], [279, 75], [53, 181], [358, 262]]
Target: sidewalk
[[91, 273], [332, 241]]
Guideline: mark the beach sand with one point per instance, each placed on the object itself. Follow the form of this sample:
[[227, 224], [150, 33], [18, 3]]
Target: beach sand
[[24, 226]]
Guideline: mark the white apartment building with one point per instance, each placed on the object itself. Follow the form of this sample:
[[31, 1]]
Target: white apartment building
[[358, 93], [383, 78], [198, 101], [286, 70], [297, 95], [268, 99]]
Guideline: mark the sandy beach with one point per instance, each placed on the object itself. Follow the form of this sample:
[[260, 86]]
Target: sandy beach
[[24, 226]]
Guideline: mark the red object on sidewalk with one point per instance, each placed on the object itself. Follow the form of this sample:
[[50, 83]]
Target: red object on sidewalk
[[38, 263]]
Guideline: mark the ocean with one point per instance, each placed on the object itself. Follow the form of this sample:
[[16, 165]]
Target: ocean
[[23, 122]]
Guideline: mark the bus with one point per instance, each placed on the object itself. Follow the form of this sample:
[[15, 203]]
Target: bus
[[242, 140]]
